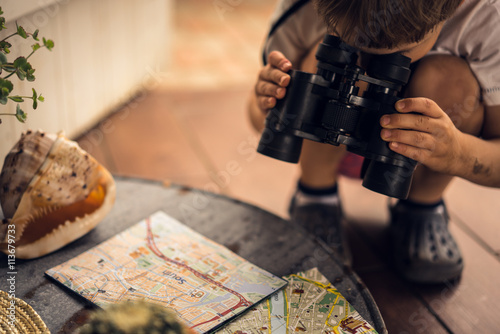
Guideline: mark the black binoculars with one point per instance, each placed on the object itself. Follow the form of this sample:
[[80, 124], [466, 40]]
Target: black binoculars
[[325, 107]]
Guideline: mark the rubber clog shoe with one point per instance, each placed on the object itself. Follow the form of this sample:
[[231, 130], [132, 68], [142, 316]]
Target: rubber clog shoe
[[424, 251], [324, 222]]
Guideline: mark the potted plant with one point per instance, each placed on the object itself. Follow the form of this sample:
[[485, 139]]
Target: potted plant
[[19, 67]]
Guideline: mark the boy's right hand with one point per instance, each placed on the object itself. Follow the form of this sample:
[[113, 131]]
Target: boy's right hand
[[273, 80]]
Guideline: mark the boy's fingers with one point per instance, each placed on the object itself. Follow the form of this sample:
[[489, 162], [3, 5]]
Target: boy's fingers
[[274, 75], [272, 80], [266, 102], [413, 138], [284, 80], [264, 88], [421, 105], [415, 153], [409, 121], [278, 60]]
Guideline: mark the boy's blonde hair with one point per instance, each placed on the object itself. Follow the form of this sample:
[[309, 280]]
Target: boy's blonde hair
[[384, 23]]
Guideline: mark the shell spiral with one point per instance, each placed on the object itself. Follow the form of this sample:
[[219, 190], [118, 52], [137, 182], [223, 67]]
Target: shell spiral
[[52, 192], [20, 165]]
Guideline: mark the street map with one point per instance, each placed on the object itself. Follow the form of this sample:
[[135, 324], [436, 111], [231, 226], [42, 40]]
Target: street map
[[165, 262], [309, 304]]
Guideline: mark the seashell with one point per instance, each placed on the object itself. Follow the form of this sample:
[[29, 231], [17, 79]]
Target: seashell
[[52, 192]]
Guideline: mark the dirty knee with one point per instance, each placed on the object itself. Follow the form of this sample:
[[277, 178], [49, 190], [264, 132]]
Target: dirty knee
[[449, 81]]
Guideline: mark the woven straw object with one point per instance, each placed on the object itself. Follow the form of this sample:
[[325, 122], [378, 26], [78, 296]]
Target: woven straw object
[[27, 320]]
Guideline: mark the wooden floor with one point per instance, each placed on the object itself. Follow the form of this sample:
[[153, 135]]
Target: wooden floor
[[191, 128]]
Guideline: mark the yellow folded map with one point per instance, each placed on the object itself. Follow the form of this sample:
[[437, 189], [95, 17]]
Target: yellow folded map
[[309, 304]]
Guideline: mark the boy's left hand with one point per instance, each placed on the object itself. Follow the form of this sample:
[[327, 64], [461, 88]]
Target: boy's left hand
[[423, 132]]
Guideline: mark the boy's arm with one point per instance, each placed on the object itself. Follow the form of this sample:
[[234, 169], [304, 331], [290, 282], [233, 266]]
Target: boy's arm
[[430, 137], [484, 167]]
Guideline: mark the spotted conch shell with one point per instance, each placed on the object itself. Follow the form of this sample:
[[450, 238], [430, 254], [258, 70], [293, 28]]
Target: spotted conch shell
[[52, 192]]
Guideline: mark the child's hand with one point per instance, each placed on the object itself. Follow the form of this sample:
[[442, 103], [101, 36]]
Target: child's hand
[[429, 137], [272, 81]]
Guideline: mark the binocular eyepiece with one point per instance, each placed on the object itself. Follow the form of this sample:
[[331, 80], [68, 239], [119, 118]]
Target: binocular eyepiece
[[325, 107]]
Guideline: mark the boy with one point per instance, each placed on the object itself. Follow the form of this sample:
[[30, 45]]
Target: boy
[[449, 120]]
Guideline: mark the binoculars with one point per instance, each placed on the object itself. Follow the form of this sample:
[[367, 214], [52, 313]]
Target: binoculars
[[325, 107]]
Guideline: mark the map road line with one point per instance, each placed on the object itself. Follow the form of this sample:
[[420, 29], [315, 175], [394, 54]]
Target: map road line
[[152, 245]]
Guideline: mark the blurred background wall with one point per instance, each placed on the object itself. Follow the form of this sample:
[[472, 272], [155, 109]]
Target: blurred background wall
[[105, 52]]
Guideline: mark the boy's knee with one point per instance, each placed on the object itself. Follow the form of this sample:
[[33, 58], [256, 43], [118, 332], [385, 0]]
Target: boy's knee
[[449, 81], [445, 77]]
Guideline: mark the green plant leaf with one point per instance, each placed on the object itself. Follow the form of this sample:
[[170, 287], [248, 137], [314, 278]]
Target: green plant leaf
[[9, 67], [41, 98], [21, 74], [21, 32], [4, 46], [30, 75], [6, 87], [2, 23], [48, 43], [20, 62], [35, 35], [20, 114], [35, 101], [3, 58], [16, 98], [24, 69], [35, 46]]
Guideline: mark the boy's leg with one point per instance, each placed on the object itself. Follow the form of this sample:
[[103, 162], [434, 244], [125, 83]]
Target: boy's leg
[[319, 164], [316, 204], [424, 250]]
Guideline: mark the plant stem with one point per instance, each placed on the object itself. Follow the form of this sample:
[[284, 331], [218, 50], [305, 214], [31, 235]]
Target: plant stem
[[30, 54], [10, 75], [6, 38]]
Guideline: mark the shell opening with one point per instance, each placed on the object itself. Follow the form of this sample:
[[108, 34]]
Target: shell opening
[[48, 220]]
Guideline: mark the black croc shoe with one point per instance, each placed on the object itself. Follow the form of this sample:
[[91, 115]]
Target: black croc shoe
[[423, 249], [324, 222]]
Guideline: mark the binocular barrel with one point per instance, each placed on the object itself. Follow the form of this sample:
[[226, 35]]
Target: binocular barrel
[[325, 107], [284, 132]]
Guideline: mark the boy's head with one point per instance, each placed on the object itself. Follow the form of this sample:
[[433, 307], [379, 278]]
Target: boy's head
[[384, 24]]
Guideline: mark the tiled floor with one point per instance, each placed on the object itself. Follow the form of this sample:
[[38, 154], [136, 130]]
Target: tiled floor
[[193, 130]]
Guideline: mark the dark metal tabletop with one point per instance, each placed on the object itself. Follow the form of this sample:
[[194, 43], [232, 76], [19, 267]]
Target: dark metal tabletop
[[265, 239]]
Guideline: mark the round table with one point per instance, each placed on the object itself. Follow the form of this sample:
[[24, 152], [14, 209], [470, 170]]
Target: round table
[[260, 237]]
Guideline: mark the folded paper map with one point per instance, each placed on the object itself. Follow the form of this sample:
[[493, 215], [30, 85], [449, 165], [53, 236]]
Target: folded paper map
[[309, 304], [165, 262]]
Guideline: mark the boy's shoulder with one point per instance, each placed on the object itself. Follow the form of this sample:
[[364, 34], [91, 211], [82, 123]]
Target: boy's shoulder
[[474, 26], [295, 28], [473, 33]]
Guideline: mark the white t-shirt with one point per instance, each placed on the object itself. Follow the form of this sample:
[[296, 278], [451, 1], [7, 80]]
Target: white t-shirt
[[472, 33]]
